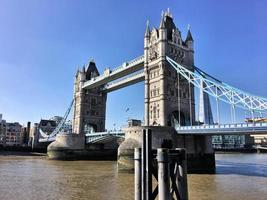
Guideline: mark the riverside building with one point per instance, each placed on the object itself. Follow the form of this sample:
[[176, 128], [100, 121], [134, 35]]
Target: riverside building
[[13, 134], [2, 131]]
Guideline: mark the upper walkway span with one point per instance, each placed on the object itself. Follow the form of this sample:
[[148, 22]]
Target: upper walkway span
[[124, 82], [117, 73]]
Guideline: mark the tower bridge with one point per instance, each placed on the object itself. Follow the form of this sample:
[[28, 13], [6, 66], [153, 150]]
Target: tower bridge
[[170, 78]]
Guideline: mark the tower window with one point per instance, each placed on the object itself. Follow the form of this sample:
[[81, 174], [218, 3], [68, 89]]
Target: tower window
[[154, 112], [93, 101]]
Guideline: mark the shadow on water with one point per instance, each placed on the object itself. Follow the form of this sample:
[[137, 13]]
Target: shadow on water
[[246, 169]]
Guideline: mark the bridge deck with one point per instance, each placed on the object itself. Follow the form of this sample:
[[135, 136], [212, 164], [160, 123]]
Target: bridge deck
[[224, 129]]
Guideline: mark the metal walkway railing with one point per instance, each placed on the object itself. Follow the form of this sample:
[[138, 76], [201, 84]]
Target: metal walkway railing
[[224, 129], [97, 137]]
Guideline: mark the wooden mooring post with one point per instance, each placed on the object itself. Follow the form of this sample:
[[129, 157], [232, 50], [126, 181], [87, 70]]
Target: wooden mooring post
[[169, 168]]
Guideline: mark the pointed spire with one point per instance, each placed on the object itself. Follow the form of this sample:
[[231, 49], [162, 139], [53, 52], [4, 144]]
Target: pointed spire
[[77, 71], [92, 60], [189, 36], [83, 69], [147, 34], [162, 24], [168, 13]]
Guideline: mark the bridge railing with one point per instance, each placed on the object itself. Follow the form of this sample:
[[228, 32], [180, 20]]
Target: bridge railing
[[92, 137], [128, 64], [99, 134], [223, 126], [224, 129]]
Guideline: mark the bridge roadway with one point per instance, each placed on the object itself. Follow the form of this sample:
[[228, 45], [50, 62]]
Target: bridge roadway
[[223, 129], [125, 69], [214, 129], [49, 139]]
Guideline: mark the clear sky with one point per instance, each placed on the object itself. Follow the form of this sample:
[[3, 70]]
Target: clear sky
[[42, 43]]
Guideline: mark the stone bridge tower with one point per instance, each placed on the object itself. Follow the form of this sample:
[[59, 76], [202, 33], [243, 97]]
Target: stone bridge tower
[[89, 105], [167, 102]]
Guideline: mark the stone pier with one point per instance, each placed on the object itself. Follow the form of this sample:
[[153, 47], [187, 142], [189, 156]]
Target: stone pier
[[66, 146], [74, 147], [200, 153]]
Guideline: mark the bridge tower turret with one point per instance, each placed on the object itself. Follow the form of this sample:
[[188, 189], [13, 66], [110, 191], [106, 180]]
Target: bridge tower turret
[[89, 105], [189, 41], [163, 93]]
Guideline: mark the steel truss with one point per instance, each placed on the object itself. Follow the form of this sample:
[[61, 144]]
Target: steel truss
[[220, 90], [59, 126]]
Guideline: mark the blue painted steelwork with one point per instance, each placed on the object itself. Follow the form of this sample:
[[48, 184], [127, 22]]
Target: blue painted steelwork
[[101, 136], [215, 129], [224, 129], [221, 90], [51, 137]]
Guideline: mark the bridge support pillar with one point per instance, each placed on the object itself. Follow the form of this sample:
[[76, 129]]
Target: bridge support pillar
[[161, 137], [200, 154], [66, 146]]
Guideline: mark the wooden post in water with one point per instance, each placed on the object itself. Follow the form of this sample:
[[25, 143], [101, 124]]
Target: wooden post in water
[[163, 174], [143, 159], [181, 179], [148, 164], [137, 174], [171, 167]]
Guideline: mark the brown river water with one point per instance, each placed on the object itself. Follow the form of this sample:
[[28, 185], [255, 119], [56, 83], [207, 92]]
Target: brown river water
[[239, 176]]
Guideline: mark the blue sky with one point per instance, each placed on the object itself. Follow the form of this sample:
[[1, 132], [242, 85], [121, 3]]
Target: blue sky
[[42, 43]]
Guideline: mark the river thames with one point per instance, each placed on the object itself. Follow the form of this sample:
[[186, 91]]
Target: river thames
[[239, 176]]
